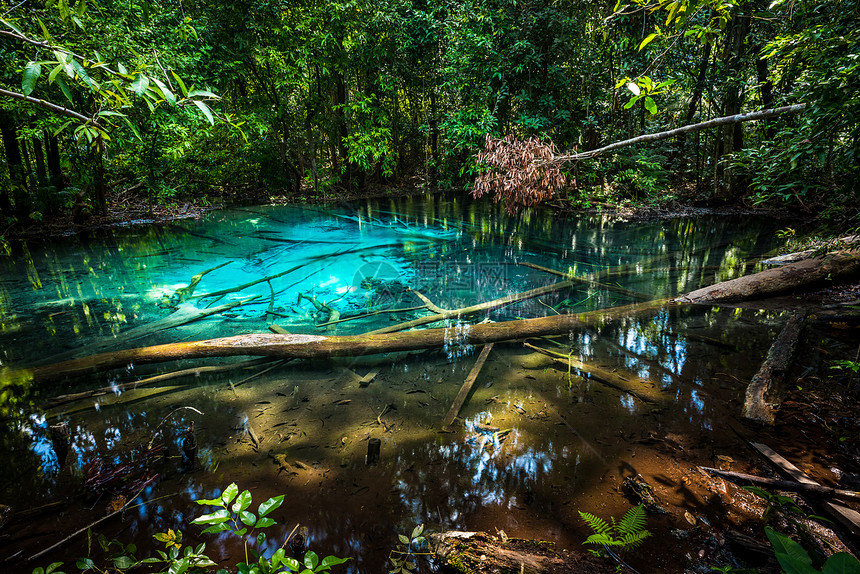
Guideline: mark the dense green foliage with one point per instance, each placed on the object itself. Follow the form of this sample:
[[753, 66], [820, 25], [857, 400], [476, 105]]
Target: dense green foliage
[[318, 97]]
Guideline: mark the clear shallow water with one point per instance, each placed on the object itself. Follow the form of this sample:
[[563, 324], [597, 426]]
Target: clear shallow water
[[61, 295]]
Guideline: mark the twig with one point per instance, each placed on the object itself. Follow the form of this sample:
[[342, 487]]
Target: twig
[[170, 414]]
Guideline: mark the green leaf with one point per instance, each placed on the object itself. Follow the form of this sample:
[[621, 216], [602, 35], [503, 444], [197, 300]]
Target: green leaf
[[216, 517], [243, 501], [138, 86], [402, 538], [841, 563], [791, 555], [264, 523], [65, 89], [206, 93], [180, 82], [291, 563], [53, 567], [206, 111], [231, 491], [45, 33], [271, 504], [54, 73], [31, 73], [330, 561], [123, 562], [416, 532], [82, 74], [84, 564], [650, 105], [223, 527], [247, 518], [136, 133], [171, 99], [311, 559], [647, 39]]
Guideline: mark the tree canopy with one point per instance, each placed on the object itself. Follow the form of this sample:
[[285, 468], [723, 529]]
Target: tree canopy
[[310, 98]]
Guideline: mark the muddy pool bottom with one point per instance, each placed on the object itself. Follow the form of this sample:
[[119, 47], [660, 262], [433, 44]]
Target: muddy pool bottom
[[535, 444]]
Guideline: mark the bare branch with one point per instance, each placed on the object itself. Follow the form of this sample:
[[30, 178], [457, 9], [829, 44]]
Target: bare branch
[[749, 117], [53, 107]]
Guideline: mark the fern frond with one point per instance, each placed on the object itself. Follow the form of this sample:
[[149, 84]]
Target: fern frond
[[594, 522], [634, 539], [602, 538], [633, 521]]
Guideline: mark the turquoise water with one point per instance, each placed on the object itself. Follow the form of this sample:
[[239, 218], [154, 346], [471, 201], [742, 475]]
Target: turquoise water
[[65, 297]]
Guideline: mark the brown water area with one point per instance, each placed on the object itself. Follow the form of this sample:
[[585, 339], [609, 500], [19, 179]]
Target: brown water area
[[536, 442]]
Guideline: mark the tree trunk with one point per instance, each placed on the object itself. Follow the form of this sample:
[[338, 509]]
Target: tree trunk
[[15, 164], [52, 148]]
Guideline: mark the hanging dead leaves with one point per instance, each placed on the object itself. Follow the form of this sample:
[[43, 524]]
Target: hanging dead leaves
[[522, 172]]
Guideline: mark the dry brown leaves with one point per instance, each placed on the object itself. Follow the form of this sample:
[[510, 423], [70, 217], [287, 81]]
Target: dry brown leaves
[[521, 172]]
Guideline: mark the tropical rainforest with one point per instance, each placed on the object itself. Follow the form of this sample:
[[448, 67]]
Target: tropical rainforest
[[225, 101]]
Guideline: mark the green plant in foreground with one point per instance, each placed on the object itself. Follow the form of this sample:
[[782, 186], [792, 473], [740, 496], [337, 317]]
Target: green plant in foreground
[[795, 560], [625, 534], [403, 557], [232, 515]]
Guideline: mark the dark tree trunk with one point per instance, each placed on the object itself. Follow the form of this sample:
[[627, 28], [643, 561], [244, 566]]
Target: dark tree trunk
[[434, 141], [38, 154], [99, 186], [766, 90], [732, 136], [17, 177], [695, 98], [52, 148]]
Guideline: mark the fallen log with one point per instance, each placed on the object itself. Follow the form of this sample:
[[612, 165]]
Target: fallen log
[[467, 387], [790, 485], [310, 346], [765, 392], [477, 552], [779, 279]]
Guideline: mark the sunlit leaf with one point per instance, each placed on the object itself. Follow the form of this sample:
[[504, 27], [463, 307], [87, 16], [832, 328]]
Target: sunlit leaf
[[31, 74], [650, 105], [217, 517], [270, 505], [138, 86], [647, 40], [180, 82], [243, 501], [633, 88]]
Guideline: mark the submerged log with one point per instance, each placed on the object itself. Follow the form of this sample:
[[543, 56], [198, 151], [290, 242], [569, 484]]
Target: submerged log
[[467, 387], [385, 341], [313, 346], [765, 392], [779, 279]]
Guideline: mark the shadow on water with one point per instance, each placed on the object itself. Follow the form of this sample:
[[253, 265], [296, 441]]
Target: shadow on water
[[539, 439]]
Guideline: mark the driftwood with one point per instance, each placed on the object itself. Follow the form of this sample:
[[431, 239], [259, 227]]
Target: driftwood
[[467, 387], [765, 392], [849, 517], [790, 485], [184, 293]]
